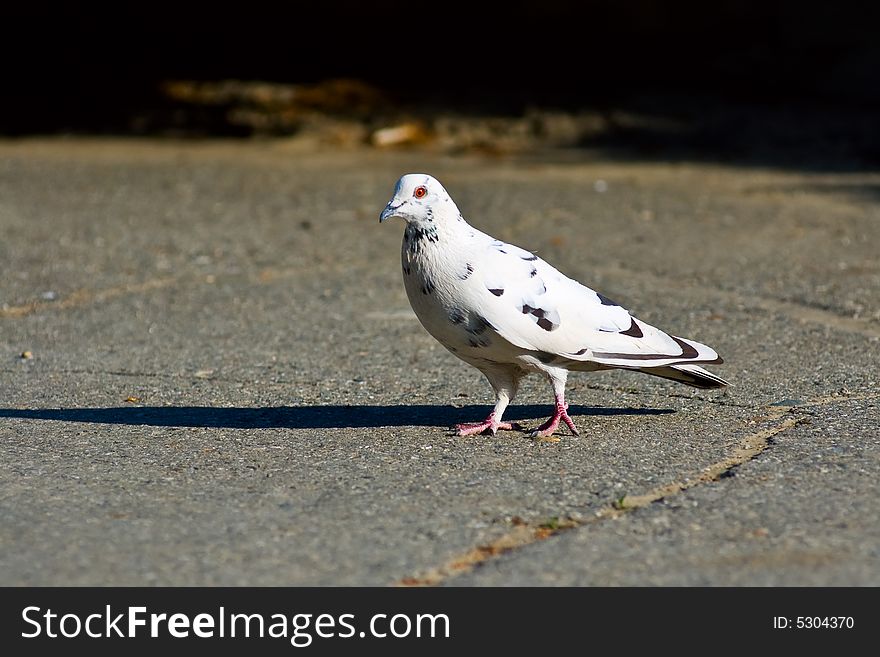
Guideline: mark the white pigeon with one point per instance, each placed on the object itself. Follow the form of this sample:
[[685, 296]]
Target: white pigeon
[[508, 313]]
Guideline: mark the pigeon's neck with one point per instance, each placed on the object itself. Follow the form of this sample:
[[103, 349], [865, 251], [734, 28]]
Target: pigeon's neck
[[439, 230], [418, 236], [432, 244]]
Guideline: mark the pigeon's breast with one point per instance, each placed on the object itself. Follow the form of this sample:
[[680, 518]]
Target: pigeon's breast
[[441, 286]]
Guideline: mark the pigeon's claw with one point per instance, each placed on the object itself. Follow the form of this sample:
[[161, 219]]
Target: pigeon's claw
[[488, 426], [550, 426]]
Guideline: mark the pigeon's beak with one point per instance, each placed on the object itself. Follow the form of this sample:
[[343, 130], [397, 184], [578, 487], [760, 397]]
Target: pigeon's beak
[[389, 211]]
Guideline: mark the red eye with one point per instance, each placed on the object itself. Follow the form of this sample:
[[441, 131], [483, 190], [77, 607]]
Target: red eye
[[421, 192]]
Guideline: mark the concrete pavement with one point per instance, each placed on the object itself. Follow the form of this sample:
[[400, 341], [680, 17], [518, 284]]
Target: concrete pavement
[[225, 383]]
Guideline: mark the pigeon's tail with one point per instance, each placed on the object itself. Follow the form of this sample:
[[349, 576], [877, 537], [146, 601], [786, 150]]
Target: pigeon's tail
[[691, 375]]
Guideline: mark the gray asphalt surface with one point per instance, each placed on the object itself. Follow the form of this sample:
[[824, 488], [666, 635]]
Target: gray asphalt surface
[[226, 385]]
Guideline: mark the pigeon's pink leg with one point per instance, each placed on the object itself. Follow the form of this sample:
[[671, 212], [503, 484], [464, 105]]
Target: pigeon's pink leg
[[504, 382], [546, 430], [489, 425]]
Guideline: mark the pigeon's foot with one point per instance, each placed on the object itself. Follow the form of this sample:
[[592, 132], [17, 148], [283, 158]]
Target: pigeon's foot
[[550, 426], [488, 426]]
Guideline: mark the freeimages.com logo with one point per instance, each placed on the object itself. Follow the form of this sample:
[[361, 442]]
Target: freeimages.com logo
[[300, 629]]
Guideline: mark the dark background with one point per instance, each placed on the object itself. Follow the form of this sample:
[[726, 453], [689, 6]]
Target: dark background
[[507, 619], [785, 71]]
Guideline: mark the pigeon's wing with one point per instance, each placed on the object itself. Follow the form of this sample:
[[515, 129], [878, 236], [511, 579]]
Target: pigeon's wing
[[535, 307]]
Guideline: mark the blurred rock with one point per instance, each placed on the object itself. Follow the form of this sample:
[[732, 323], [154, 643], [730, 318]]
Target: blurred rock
[[405, 134], [267, 108], [346, 113]]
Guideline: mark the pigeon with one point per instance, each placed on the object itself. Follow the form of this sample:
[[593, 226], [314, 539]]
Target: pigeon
[[508, 313]]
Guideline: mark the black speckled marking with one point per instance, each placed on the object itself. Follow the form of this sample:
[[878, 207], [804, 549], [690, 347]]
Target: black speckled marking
[[581, 352], [407, 270], [477, 325], [633, 331], [533, 273], [428, 287], [606, 301], [496, 291], [478, 342], [539, 313], [530, 258], [469, 269], [456, 316], [545, 357], [414, 236]]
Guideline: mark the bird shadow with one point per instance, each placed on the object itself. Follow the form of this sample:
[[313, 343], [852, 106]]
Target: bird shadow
[[301, 417]]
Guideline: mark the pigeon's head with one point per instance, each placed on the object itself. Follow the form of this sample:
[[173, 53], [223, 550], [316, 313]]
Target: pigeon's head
[[418, 198]]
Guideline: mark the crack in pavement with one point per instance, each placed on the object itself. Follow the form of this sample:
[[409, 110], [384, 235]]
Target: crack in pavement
[[524, 534], [85, 296], [798, 311]]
